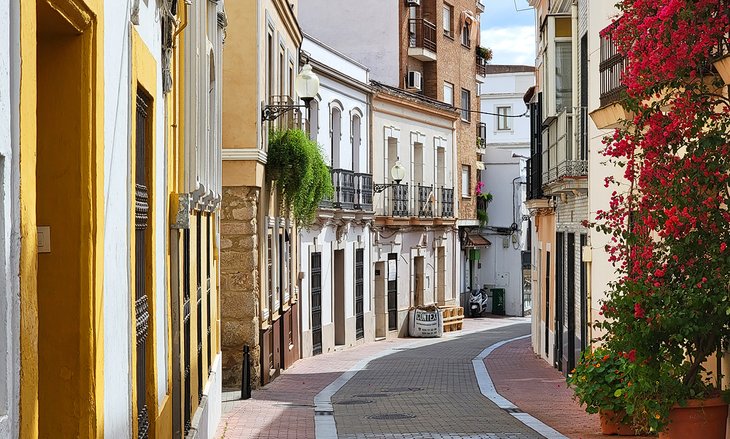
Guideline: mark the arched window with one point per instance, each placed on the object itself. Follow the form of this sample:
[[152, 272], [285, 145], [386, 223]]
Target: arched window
[[355, 128], [335, 134]]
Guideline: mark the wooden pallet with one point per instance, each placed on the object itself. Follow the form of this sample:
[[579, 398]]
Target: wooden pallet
[[453, 318]]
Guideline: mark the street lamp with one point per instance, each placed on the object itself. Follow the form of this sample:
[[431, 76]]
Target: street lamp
[[397, 172], [306, 85]]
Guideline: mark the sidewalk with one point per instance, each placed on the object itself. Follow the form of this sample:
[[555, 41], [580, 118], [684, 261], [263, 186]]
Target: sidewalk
[[540, 390]]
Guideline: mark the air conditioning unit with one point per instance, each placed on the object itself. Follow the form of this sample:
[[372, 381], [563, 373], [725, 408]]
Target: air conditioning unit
[[413, 2], [414, 80]]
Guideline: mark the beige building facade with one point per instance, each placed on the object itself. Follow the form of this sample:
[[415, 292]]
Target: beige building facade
[[259, 303]]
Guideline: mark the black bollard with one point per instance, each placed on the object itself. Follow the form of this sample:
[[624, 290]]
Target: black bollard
[[246, 374]]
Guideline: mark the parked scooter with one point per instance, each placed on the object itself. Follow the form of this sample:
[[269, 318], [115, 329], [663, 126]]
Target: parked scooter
[[478, 302]]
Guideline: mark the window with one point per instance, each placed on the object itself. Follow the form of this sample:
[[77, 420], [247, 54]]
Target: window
[[465, 105], [335, 136], [466, 35], [448, 20], [563, 76], [465, 181], [503, 118], [448, 93], [355, 139]]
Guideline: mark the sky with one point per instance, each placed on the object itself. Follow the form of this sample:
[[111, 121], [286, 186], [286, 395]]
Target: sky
[[508, 32]]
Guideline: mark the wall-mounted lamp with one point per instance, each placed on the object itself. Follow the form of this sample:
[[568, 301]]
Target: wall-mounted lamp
[[397, 172], [306, 85]]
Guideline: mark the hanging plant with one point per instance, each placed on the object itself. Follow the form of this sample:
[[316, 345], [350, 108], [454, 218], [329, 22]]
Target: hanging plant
[[301, 177], [484, 53], [483, 200]]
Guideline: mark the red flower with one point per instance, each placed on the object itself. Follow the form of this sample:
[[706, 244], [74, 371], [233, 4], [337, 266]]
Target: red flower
[[723, 246], [631, 355], [638, 311]]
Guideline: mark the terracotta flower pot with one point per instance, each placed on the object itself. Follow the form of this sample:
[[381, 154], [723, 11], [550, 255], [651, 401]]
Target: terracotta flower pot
[[611, 424], [701, 418]]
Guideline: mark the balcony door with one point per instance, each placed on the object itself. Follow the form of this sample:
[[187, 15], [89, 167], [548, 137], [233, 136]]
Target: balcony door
[[359, 290]]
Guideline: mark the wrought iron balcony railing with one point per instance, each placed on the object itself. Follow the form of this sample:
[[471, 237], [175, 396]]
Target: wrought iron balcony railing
[[561, 158], [447, 202], [343, 182], [422, 34], [481, 65], [611, 69], [398, 200], [425, 201], [352, 191], [363, 191]]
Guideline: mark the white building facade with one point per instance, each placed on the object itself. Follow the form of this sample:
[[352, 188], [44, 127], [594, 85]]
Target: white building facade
[[335, 252], [506, 149], [415, 241]]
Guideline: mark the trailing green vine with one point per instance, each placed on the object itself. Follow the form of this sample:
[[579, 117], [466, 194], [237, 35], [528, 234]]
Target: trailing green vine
[[301, 176]]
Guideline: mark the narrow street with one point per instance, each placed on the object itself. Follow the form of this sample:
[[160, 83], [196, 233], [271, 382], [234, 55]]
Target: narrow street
[[402, 388]]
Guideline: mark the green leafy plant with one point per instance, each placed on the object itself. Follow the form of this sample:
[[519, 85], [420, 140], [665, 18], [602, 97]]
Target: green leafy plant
[[483, 200], [599, 381], [485, 53], [299, 172]]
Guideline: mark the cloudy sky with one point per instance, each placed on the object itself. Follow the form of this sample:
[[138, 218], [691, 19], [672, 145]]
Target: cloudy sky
[[509, 31]]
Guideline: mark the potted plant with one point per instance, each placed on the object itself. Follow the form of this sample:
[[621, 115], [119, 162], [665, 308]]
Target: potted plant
[[483, 200], [599, 382], [297, 168], [668, 220]]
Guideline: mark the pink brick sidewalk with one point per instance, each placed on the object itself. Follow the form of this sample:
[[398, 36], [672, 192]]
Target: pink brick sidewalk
[[540, 390], [284, 409]]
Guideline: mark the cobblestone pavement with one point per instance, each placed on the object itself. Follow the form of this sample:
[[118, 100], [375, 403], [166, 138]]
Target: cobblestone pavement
[[426, 392], [285, 408]]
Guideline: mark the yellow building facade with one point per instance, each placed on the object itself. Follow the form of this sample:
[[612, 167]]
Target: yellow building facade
[[117, 318]]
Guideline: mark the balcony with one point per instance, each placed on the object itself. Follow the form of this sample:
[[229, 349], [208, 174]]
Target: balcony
[[481, 65], [352, 191], [419, 201], [564, 164], [611, 69], [422, 39], [481, 135], [480, 6]]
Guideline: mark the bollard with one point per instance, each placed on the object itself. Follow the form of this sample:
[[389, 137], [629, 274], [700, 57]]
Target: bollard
[[246, 374]]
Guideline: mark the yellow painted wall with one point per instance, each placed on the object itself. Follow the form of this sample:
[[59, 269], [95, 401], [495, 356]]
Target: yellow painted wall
[[69, 178]]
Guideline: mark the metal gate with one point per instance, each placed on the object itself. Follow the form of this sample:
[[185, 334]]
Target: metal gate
[[559, 299], [199, 299], [186, 329], [392, 292], [316, 281], [141, 304], [359, 305]]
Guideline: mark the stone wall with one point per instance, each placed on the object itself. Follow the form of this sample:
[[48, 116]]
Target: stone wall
[[240, 294]]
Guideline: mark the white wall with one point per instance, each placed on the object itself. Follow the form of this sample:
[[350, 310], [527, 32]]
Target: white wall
[[602, 272], [117, 199], [351, 101], [506, 89], [9, 224], [407, 126], [371, 37]]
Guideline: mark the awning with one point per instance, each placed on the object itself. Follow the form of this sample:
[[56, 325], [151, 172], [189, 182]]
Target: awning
[[476, 240]]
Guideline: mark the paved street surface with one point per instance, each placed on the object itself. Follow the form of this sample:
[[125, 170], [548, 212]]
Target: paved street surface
[[426, 388]]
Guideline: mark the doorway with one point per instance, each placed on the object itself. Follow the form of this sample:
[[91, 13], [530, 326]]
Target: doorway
[[359, 294], [381, 312], [339, 296], [441, 276], [392, 291], [418, 290], [64, 182], [316, 300]]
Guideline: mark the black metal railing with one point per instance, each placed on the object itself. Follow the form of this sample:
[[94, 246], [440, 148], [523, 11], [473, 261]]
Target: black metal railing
[[447, 202], [422, 34], [398, 200], [481, 65], [481, 134], [352, 191], [611, 69], [363, 191], [425, 200], [534, 177], [343, 182]]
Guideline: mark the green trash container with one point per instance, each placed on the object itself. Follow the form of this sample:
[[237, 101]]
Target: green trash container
[[498, 301]]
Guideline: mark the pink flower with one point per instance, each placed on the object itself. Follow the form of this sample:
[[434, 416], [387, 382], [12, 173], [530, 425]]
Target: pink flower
[[638, 311]]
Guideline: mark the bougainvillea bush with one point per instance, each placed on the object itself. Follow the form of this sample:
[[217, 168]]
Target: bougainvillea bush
[[668, 217]]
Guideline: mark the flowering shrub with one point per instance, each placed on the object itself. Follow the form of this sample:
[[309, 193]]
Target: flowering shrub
[[599, 381], [668, 217]]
